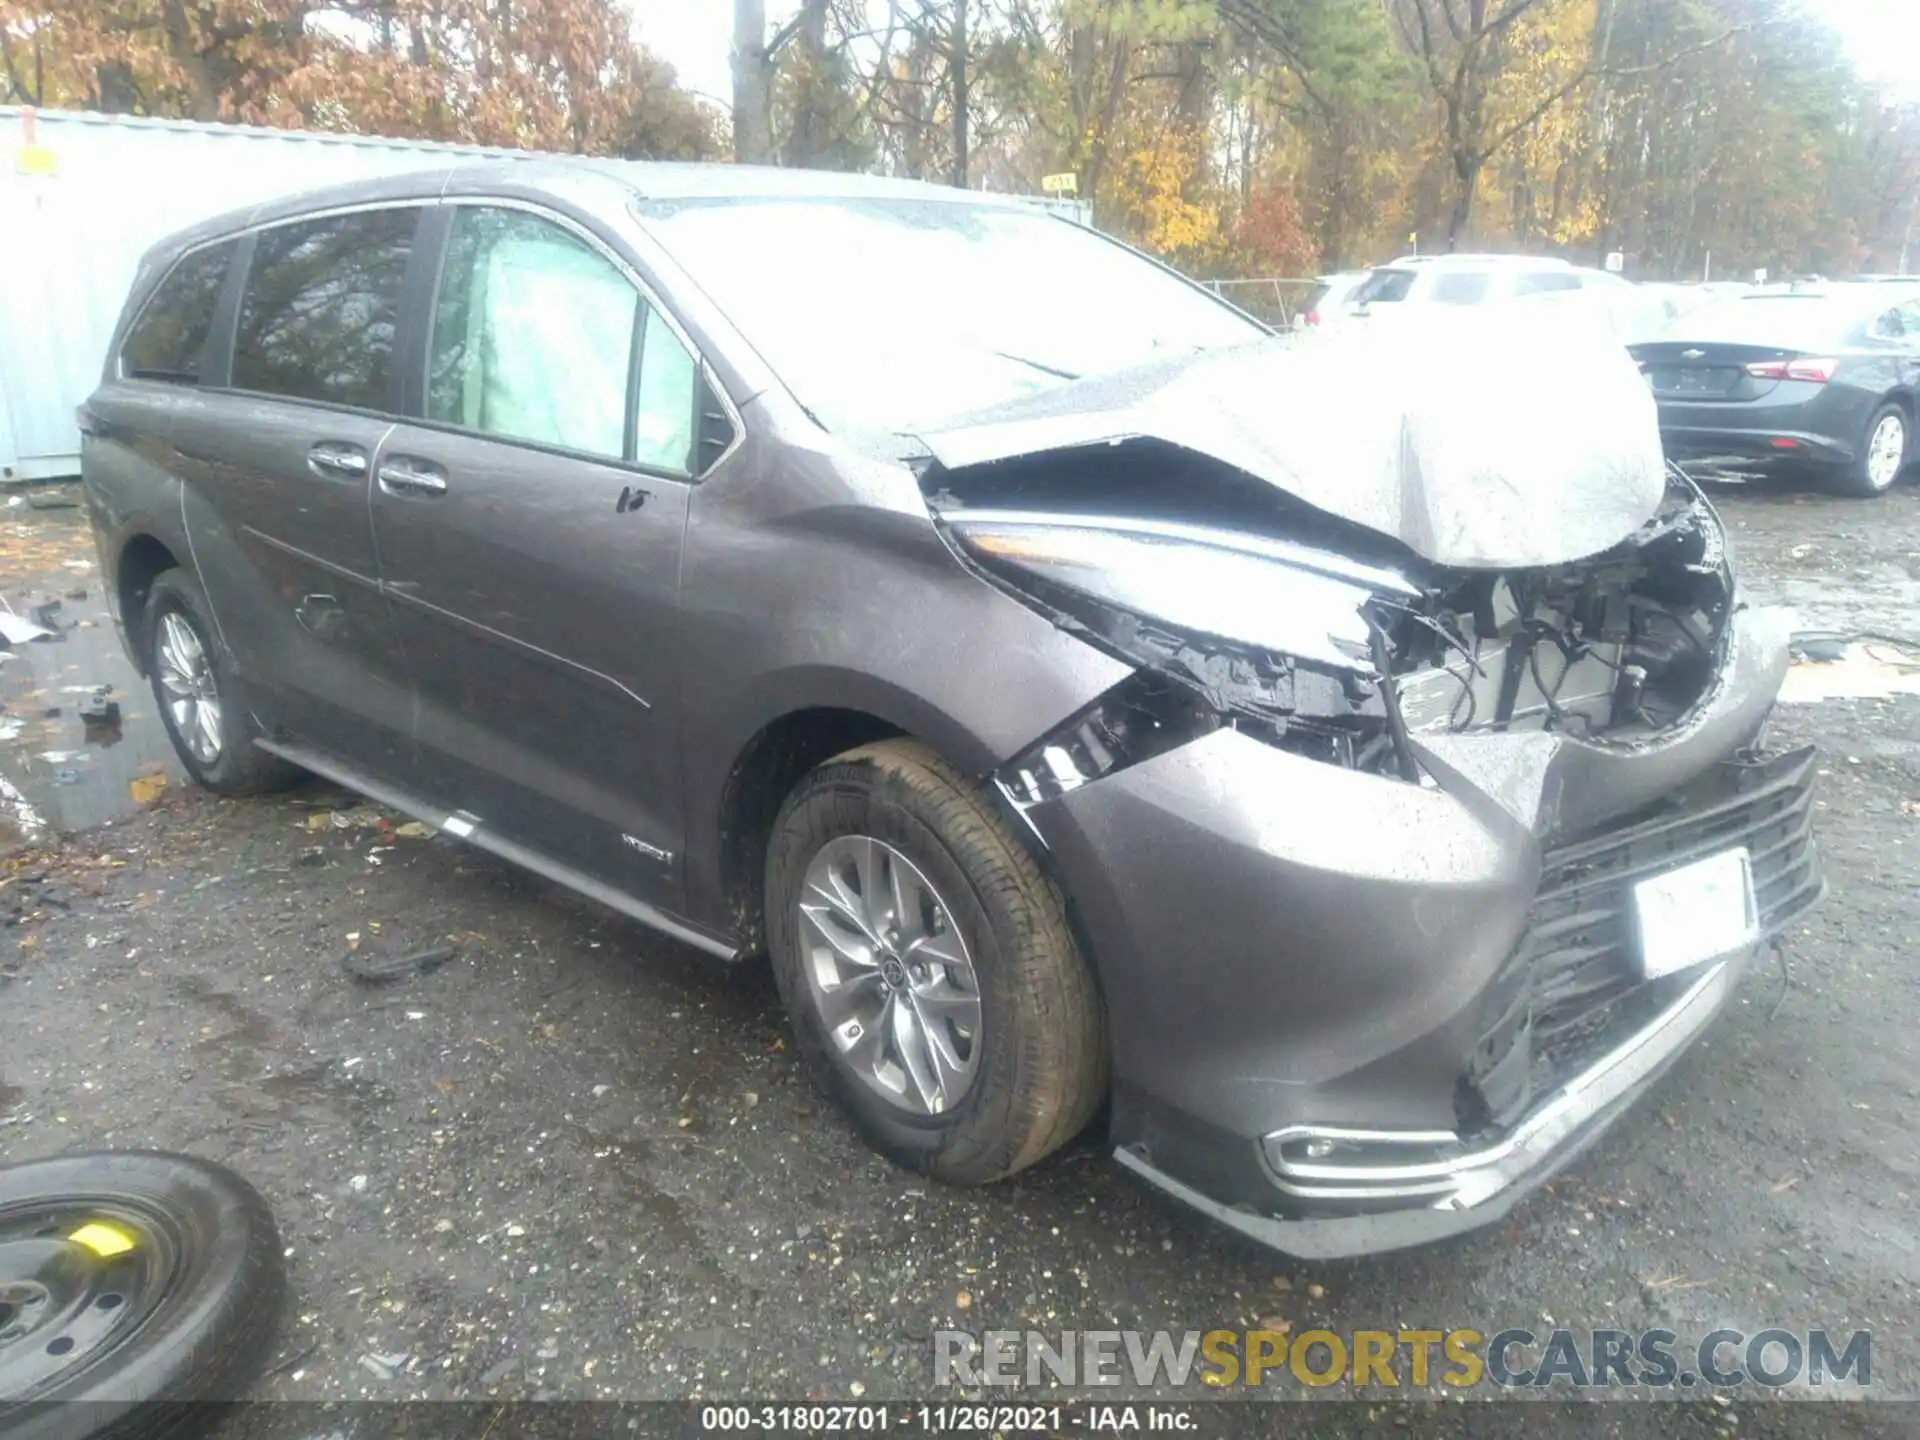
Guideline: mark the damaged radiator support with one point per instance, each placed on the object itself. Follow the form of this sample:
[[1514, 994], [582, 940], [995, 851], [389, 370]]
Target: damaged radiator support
[[1616, 649]]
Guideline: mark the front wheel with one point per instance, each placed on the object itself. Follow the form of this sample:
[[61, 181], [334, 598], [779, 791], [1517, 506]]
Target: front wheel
[[929, 968], [1884, 456]]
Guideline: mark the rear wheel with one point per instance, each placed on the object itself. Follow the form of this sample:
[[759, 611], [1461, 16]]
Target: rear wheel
[[929, 968], [198, 694], [1883, 455]]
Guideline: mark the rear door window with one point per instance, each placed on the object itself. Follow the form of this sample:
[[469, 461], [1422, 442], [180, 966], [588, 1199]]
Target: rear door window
[[169, 340], [321, 307]]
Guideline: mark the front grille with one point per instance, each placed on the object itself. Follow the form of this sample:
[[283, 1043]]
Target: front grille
[[1572, 989]]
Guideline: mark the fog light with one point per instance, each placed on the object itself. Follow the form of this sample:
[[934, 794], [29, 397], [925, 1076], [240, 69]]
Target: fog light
[[1318, 1149]]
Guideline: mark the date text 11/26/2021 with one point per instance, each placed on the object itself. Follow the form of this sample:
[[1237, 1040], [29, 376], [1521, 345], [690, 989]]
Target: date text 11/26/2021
[[959, 1418]]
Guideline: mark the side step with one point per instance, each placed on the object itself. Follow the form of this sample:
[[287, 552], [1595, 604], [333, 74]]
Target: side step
[[467, 827]]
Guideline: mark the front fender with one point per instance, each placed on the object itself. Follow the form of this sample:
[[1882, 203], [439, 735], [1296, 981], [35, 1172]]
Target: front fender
[[816, 579]]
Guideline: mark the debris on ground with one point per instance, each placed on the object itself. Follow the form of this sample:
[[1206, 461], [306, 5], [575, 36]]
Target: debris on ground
[[16, 631], [377, 969], [1832, 667], [99, 708], [383, 1367]]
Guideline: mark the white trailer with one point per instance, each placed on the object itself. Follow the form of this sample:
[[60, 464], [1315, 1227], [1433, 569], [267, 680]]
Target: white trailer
[[81, 198]]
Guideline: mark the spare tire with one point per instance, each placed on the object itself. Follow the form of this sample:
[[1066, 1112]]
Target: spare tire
[[132, 1283]]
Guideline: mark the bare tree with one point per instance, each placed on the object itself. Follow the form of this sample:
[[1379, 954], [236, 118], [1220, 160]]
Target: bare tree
[[957, 74], [752, 84]]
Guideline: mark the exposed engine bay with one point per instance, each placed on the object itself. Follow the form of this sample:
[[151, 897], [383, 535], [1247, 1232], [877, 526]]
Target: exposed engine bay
[[1614, 648], [1346, 655]]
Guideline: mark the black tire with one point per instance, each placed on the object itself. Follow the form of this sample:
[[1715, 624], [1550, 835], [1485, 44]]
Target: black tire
[[240, 767], [1857, 478], [1042, 1066], [218, 1284]]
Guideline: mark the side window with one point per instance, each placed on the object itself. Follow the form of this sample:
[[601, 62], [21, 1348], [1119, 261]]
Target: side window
[[1544, 282], [1384, 285], [538, 336], [321, 306], [169, 340], [663, 427], [1889, 326], [1910, 318], [1460, 287]]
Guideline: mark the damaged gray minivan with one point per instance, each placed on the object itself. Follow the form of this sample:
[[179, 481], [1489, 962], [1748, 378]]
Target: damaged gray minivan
[[1334, 759]]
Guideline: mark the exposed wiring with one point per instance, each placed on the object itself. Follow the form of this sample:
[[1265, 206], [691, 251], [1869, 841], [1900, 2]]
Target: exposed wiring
[[1567, 660], [1452, 641], [1473, 702], [1390, 698]]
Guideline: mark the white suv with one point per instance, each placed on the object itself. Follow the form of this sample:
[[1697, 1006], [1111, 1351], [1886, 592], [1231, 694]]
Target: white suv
[[1415, 284]]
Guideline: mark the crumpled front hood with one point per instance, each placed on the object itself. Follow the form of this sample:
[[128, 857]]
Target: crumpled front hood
[[1488, 441]]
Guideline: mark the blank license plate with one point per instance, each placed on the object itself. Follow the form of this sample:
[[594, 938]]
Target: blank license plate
[[1696, 913]]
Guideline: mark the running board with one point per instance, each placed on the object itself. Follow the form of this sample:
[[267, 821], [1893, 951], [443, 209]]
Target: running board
[[461, 825]]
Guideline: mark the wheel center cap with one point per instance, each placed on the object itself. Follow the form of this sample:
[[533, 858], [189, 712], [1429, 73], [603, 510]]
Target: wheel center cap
[[894, 973]]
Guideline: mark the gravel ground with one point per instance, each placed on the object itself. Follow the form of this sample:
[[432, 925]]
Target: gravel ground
[[576, 1162]]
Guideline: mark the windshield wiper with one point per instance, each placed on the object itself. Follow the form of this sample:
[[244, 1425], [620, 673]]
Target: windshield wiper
[[1053, 370]]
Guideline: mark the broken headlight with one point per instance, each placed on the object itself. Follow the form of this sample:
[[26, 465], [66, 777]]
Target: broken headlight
[[1267, 636]]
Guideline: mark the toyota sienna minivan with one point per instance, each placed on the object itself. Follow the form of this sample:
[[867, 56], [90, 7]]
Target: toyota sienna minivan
[[1334, 763]]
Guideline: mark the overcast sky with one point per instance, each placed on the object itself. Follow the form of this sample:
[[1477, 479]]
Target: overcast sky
[[695, 35]]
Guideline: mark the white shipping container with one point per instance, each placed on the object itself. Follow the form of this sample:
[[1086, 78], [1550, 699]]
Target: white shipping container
[[82, 196]]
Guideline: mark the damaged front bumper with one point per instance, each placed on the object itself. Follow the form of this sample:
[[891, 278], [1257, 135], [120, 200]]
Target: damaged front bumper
[[1351, 1014]]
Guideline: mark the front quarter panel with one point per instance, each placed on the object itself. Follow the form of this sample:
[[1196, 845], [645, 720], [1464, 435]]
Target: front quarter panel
[[816, 578]]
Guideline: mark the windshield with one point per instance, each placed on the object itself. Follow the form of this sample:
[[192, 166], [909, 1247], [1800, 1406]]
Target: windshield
[[888, 314]]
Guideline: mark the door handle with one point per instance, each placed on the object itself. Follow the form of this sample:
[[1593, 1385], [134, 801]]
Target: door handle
[[404, 475], [334, 460]]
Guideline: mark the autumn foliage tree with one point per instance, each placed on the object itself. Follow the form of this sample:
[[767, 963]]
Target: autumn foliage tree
[[1237, 138], [1269, 235], [544, 74]]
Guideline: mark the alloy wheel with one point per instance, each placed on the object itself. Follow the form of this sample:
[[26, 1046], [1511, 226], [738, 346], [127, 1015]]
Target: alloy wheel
[[889, 974], [192, 694], [1886, 451]]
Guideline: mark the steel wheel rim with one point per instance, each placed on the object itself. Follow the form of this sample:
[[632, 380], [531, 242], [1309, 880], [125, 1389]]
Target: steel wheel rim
[[889, 975], [62, 1305], [192, 697], [1886, 450]]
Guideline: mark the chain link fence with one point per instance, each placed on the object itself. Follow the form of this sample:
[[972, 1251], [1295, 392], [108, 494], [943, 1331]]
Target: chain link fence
[[1274, 298]]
